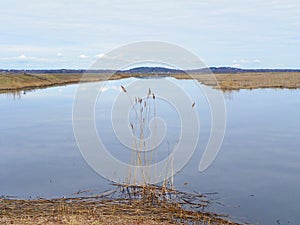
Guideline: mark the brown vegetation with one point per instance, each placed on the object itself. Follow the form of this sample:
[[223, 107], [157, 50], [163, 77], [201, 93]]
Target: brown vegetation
[[238, 81], [227, 81], [133, 205], [23, 81]]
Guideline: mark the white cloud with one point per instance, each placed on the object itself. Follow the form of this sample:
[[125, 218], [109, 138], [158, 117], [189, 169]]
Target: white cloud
[[20, 57], [246, 61], [236, 65], [101, 55], [84, 56]]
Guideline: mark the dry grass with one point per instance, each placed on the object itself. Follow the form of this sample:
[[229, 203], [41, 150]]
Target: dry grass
[[23, 81], [125, 205], [253, 80], [77, 220]]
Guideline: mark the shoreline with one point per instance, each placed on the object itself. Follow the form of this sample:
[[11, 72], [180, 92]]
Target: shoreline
[[125, 205], [14, 82]]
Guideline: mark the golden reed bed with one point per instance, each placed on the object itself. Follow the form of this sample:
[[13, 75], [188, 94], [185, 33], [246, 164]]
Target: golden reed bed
[[10, 82]]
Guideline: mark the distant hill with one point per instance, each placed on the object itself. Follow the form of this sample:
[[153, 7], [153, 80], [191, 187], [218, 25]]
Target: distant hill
[[154, 70], [151, 70], [162, 70]]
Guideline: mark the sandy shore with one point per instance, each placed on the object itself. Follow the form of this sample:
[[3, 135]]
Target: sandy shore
[[10, 82]]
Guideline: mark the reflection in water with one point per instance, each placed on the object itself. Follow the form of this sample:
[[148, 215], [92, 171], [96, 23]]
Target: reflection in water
[[228, 94], [256, 172], [16, 95], [145, 118]]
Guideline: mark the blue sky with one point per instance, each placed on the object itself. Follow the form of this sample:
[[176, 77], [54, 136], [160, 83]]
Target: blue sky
[[69, 34]]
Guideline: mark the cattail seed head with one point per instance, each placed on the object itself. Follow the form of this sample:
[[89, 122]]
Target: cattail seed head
[[123, 88]]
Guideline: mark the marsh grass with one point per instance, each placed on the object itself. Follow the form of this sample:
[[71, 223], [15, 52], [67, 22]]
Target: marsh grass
[[148, 204], [11, 81], [144, 154], [163, 201]]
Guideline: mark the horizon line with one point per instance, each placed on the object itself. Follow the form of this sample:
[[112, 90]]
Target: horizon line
[[148, 67]]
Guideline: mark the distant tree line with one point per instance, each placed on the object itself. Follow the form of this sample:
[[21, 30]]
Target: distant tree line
[[151, 70]]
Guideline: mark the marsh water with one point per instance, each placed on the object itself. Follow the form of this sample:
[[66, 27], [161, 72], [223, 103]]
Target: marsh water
[[255, 175]]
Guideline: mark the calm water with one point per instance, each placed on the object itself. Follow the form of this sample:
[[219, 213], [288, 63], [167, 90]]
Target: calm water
[[256, 173]]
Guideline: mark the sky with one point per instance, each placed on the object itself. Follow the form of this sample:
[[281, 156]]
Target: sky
[[72, 34]]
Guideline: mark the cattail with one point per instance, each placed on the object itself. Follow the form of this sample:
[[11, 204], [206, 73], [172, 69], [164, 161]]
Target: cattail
[[123, 88], [131, 126], [193, 104], [149, 92], [153, 96]]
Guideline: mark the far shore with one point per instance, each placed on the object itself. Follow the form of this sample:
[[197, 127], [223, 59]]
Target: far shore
[[13, 82]]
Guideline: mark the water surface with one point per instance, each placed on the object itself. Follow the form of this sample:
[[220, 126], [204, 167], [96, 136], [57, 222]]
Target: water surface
[[256, 173]]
